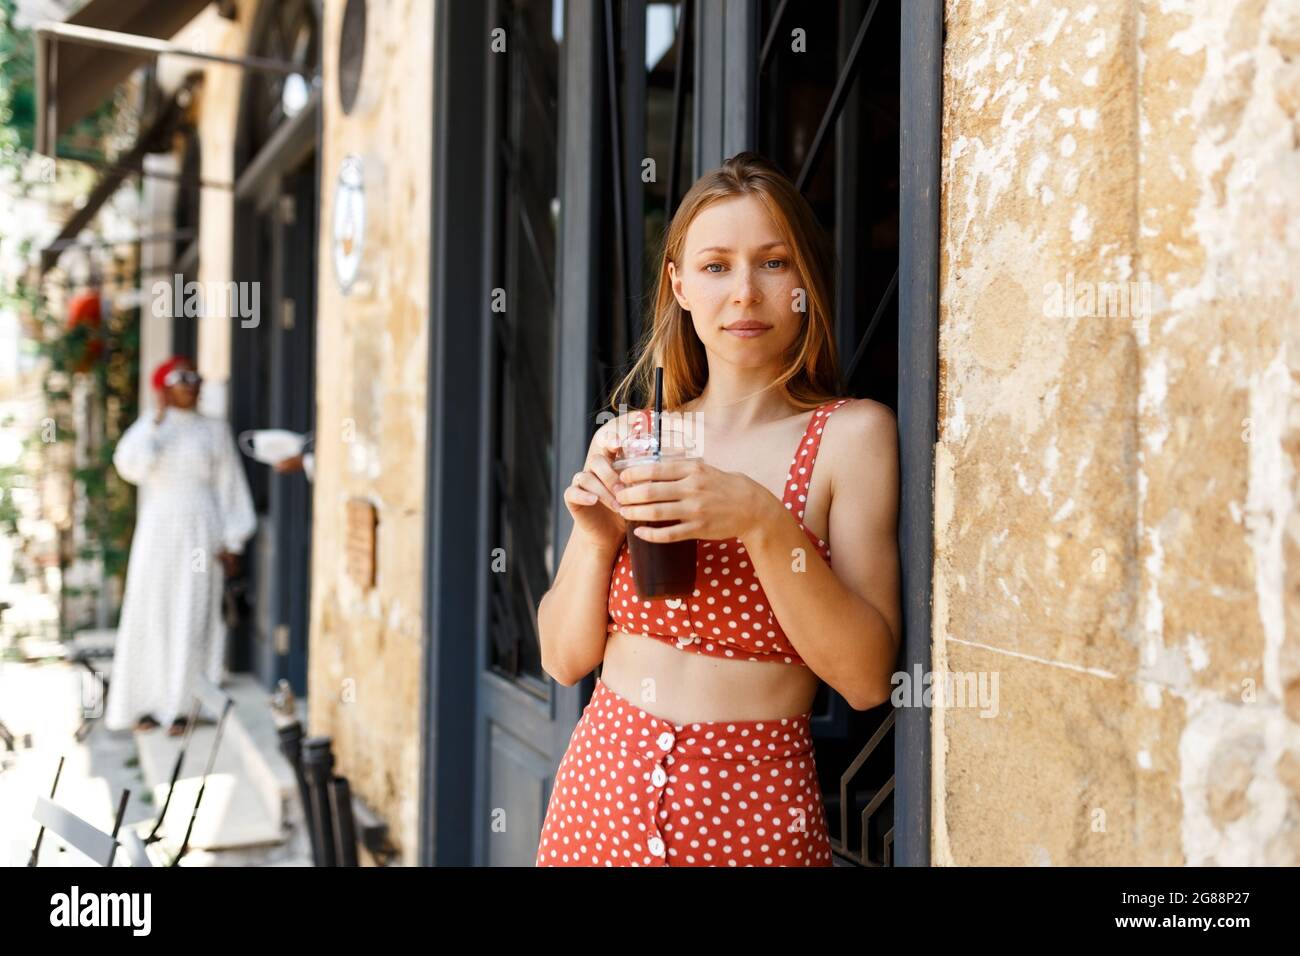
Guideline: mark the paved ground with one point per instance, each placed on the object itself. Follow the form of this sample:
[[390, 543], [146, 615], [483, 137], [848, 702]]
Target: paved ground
[[45, 701]]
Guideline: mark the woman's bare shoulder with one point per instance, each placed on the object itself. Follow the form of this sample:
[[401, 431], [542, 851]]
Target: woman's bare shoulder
[[861, 435], [866, 412]]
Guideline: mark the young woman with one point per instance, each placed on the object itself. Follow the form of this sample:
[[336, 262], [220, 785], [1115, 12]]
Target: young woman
[[195, 513], [695, 748]]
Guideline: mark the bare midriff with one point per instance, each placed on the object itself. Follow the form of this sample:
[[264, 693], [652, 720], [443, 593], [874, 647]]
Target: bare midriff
[[684, 687]]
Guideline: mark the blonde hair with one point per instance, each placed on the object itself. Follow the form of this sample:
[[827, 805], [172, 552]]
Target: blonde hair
[[811, 374]]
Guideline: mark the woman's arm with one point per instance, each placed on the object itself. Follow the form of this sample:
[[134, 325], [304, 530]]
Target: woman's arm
[[845, 623], [572, 615], [137, 450]]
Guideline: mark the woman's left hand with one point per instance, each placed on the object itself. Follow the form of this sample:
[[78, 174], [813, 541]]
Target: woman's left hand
[[706, 502]]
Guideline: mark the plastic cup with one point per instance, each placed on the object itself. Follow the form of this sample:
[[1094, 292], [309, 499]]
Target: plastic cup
[[660, 569]]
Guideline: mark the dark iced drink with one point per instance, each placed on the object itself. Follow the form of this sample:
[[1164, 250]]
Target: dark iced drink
[[659, 569]]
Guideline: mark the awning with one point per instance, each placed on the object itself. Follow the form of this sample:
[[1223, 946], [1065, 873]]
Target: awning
[[73, 79], [81, 59], [155, 138]]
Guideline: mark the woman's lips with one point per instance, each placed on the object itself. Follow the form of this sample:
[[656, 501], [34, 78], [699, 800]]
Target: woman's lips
[[748, 332]]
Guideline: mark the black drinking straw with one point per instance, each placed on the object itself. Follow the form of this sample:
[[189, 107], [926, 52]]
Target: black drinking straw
[[659, 406]]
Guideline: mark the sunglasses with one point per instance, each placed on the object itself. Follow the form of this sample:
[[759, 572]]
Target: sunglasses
[[182, 376]]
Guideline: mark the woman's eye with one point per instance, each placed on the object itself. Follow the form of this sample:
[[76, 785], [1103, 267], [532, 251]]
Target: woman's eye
[[713, 267], [775, 263]]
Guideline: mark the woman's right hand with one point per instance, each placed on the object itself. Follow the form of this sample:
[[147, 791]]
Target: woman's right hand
[[590, 495]]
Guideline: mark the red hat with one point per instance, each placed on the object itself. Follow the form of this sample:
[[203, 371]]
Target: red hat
[[160, 373]]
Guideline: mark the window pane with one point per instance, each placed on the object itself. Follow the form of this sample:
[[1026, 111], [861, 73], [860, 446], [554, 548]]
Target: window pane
[[292, 35], [526, 212], [647, 200], [661, 57]]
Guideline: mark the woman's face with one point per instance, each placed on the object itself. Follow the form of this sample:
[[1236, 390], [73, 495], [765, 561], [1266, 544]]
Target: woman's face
[[738, 281], [183, 394]]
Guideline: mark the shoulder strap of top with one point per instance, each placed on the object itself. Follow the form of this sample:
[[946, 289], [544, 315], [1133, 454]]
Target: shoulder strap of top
[[805, 456]]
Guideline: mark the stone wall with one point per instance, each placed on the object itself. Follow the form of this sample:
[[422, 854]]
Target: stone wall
[[1116, 523], [366, 644]]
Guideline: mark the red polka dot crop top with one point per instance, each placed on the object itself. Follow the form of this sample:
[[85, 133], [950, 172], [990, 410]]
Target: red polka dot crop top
[[728, 614]]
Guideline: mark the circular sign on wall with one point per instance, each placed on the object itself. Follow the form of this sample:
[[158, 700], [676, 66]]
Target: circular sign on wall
[[349, 221], [352, 53]]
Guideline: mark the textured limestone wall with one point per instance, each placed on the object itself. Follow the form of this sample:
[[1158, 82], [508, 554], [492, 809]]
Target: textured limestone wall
[[365, 655], [1116, 511]]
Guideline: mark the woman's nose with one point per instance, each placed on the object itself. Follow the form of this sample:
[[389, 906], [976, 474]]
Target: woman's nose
[[746, 289]]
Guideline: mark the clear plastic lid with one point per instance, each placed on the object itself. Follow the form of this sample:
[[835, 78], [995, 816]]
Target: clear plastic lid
[[639, 445]]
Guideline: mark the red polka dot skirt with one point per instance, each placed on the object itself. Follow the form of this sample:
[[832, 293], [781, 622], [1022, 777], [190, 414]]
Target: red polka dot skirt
[[634, 789]]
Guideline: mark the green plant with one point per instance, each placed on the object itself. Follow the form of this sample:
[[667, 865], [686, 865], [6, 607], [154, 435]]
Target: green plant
[[106, 355], [113, 381], [18, 103]]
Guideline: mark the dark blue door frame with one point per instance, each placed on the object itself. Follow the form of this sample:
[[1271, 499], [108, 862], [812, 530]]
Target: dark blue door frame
[[272, 368], [920, 148], [513, 731], [454, 478]]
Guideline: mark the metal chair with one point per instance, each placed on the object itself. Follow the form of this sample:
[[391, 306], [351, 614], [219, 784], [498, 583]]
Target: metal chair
[[99, 846], [217, 702], [40, 834], [135, 849]]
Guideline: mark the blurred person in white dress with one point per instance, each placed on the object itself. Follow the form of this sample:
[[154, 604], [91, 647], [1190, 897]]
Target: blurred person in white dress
[[194, 514]]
